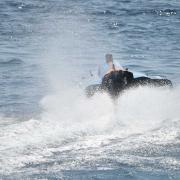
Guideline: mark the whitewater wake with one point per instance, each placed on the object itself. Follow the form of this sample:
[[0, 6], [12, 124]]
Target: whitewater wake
[[69, 117]]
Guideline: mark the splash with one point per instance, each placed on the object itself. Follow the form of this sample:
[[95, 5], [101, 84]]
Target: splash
[[70, 117]]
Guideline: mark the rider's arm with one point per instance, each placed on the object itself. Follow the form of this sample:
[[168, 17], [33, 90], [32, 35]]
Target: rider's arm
[[118, 66]]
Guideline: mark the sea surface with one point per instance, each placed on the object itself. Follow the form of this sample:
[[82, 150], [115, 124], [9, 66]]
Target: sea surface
[[49, 50]]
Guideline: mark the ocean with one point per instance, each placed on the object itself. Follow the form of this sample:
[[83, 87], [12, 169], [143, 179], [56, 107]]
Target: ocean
[[49, 129]]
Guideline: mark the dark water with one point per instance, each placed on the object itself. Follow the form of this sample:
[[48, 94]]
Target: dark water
[[48, 129]]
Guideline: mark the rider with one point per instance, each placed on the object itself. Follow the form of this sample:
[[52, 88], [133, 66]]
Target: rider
[[109, 66]]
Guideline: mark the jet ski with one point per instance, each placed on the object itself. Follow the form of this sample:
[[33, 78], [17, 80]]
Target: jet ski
[[117, 82]]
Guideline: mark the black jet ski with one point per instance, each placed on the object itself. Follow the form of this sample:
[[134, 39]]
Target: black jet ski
[[116, 82]]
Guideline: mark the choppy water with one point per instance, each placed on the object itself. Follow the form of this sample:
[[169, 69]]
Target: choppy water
[[48, 129]]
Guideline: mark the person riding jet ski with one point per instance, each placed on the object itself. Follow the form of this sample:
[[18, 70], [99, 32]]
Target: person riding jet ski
[[114, 79], [109, 66]]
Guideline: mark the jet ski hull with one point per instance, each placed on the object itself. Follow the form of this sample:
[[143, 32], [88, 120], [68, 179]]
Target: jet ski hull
[[117, 82]]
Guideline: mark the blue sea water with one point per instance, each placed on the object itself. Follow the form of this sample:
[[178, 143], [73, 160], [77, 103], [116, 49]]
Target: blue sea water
[[49, 129]]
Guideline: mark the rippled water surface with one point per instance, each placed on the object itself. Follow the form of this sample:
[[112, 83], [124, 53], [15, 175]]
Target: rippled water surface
[[49, 129]]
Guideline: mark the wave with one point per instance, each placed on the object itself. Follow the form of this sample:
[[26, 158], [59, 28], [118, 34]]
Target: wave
[[167, 12], [13, 61], [120, 12], [23, 5]]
